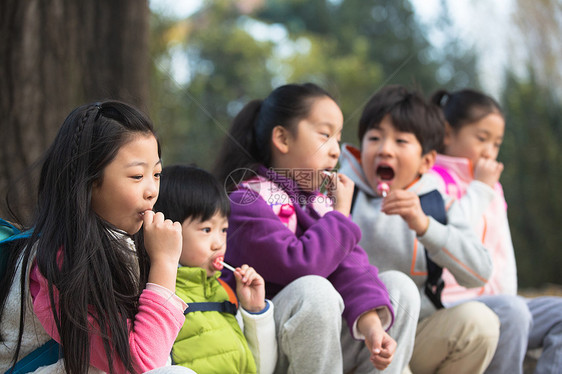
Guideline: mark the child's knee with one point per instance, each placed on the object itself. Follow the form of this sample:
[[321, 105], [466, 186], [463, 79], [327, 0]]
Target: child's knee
[[315, 293], [513, 312], [480, 321], [306, 304], [321, 293], [402, 290]]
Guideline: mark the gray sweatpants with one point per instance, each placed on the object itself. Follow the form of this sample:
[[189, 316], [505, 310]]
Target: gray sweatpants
[[313, 338], [546, 332], [515, 324], [526, 324]]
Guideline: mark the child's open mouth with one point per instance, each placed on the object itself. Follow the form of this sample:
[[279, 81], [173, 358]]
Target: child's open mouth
[[385, 173]]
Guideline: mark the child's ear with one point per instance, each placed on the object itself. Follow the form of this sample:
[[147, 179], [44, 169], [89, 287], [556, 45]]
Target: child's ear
[[96, 185], [280, 139], [427, 161]]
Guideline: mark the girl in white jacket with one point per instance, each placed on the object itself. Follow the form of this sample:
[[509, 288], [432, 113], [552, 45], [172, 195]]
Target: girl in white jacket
[[468, 170]]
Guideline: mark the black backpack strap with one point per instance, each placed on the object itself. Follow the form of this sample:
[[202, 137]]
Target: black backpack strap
[[223, 307], [433, 205], [355, 192]]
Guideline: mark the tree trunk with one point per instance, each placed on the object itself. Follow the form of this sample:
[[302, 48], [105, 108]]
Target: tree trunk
[[56, 55]]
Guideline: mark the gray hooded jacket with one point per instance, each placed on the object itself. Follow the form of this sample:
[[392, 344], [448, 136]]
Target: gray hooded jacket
[[392, 245]]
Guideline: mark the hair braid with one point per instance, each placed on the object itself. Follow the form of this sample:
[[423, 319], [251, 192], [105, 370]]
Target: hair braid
[[76, 138]]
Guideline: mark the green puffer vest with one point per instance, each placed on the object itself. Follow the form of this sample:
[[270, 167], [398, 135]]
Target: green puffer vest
[[209, 342]]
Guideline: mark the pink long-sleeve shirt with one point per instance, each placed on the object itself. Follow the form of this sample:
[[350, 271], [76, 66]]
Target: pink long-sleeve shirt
[[151, 333]]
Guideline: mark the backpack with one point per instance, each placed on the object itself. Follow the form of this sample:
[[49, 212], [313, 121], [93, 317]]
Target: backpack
[[49, 352], [8, 234], [433, 205], [451, 187]]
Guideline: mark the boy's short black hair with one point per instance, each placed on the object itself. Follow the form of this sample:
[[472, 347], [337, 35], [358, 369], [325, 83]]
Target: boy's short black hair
[[409, 112], [190, 192]]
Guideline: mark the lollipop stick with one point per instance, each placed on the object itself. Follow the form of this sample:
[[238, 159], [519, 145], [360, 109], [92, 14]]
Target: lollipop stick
[[227, 266]]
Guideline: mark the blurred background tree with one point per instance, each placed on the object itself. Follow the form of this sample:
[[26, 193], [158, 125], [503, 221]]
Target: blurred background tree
[[56, 55], [238, 51], [202, 68], [531, 153]]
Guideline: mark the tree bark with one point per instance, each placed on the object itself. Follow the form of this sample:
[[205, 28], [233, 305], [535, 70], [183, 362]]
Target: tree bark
[[54, 56]]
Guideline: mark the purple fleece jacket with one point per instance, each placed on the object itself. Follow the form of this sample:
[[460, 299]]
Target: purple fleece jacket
[[324, 246]]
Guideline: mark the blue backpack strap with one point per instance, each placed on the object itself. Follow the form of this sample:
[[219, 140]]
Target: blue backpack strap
[[7, 230], [433, 205], [209, 306], [223, 307], [8, 233], [47, 354], [6, 226]]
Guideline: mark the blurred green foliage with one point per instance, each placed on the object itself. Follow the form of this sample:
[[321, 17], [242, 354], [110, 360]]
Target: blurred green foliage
[[351, 48], [531, 153], [237, 51]]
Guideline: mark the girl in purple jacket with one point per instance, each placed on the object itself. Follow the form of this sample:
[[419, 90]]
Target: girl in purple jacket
[[278, 154]]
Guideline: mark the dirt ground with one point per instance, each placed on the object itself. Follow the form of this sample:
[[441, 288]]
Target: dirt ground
[[549, 289]]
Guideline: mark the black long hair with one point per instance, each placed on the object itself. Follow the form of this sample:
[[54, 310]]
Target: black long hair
[[248, 144], [79, 254], [188, 192], [465, 106]]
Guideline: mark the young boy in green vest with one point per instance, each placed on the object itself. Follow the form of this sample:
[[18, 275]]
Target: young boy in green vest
[[217, 336]]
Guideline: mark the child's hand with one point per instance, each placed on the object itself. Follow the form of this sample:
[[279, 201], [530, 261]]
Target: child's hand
[[378, 342], [342, 192], [162, 237], [163, 243], [488, 171], [250, 288], [407, 205]]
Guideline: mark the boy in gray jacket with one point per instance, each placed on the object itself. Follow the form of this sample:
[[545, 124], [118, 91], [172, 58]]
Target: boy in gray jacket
[[399, 134]]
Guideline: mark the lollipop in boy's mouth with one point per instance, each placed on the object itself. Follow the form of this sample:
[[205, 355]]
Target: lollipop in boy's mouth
[[218, 262], [384, 173]]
